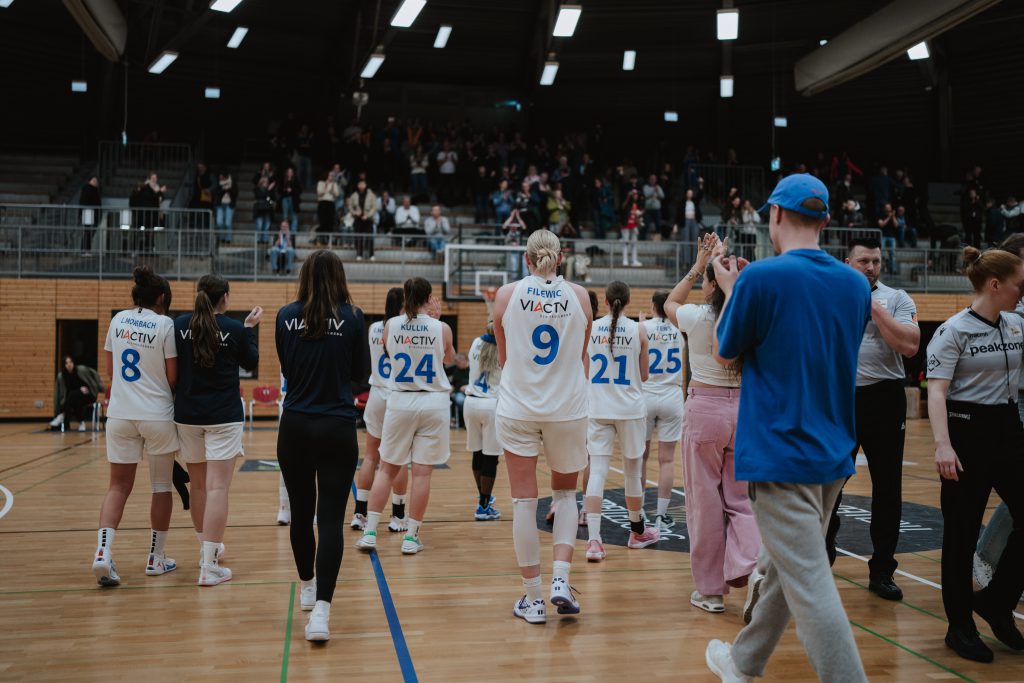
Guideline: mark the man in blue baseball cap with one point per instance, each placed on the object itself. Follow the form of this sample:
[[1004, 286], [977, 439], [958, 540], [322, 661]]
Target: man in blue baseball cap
[[796, 321]]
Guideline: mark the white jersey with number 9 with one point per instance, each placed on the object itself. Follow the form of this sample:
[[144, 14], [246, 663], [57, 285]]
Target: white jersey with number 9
[[140, 340], [543, 378]]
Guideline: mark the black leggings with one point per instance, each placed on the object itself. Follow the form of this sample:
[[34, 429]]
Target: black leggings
[[75, 405], [318, 456]]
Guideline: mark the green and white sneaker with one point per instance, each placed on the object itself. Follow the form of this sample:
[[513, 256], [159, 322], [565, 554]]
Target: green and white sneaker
[[368, 541], [411, 545]]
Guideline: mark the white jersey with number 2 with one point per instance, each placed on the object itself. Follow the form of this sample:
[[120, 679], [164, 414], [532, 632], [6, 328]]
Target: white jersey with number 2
[[616, 391], [666, 349], [140, 340], [416, 348], [543, 378]]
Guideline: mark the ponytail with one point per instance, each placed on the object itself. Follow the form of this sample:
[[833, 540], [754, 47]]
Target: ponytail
[[617, 294], [658, 300], [417, 293], [148, 288], [203, 326], [489, 364]]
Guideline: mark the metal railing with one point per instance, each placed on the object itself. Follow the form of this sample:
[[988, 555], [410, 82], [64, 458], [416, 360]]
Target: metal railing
[[141, 157], [720, 178]]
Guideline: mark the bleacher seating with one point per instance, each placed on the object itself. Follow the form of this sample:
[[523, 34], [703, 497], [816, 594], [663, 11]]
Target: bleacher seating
[[34, 178]]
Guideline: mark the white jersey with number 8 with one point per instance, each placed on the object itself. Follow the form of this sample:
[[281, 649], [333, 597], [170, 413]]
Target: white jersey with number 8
[[616, 391], [543, 378], [416, 348], [140, 340]]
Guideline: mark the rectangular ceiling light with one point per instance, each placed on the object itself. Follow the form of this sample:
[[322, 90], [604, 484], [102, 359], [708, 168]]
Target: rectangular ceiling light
[[919, 51], [725, 86], [671, 116], [237, 37], [407, 13], [165, 59], [212, 93], [443, 34], [565, 25], [629, 60], [224, 5], [373, 65], [550, 71], [728, 24], [781, 122], [79, 86]]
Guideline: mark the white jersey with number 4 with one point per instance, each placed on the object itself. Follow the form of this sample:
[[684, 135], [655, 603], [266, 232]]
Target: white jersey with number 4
[[380, 364], [666, 349], [416, 348], [140, 340], [543, 378], [481, 384], [616, 391]]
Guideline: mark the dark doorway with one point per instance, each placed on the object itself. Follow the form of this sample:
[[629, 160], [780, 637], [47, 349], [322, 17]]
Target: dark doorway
[[78, 339]]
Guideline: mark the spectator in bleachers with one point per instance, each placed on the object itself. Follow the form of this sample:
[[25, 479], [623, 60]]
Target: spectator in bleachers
[[850, 215], [604, 208], [502, 200], [692, 215], [447, 166], [1011, 211], [341, 178], [418, 163], [407, 218], [842, 193], [633, 218], [995, 222], [890, 233], [386, 212], [226, 198], [906, 234], [289, 193], [304, 151], [972, 214], [909, 201], [528, 209], [748, 235], [263, 207], [973, 182], [328, 189], [266, 171], [149, 198], [654, 195], [362, 206], [732, 215], [90, 198], [282, 248], [558, 212], [881, 191], [482, 185], [202, 194], [75, 389], [437, 229]]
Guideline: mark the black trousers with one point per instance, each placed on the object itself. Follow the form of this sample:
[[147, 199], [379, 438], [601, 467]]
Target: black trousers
[[325, 216], [318, 456], [364, 237], [989, 441], [881, 427], [75, 405]]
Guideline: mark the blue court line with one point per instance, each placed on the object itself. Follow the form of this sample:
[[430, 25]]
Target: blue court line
[[397, 636]]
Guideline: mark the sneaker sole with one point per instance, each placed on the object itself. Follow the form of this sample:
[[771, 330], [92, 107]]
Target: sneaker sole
[[565, 605], [282, 522], [210, 585], [103, 577], [410, 551], [318, 636], [640, 546], [486, 518], [595, 558], [529, 620], [153, 572], [755, 595], [366, 548], [713, 609]]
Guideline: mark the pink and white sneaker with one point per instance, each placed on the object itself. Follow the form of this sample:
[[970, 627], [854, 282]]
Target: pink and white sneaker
[[595, 551], [650, 536]]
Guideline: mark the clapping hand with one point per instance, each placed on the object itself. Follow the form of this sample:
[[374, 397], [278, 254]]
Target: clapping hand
[[435, 308], [253, 319]]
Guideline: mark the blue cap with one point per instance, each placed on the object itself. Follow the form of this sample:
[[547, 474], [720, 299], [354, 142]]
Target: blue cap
[[793, 190]]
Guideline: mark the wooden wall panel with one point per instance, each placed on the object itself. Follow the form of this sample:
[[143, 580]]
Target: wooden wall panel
[[29, 310]]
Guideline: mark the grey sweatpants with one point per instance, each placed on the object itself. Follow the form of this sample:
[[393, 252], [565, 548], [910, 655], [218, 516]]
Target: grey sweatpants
[[793, 519]]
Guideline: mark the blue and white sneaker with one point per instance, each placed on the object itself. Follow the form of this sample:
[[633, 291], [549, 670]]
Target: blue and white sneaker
[[562, 596], [487, 514], [103, 568], [159, 564], [532, 612]]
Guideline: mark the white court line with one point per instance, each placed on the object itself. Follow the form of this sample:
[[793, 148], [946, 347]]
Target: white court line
[[9, 500]]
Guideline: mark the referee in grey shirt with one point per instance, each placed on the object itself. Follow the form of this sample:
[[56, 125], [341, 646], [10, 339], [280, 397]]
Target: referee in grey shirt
[[881, 413]]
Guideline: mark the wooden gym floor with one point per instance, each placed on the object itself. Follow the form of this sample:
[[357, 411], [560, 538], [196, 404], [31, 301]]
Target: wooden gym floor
[[442, 615]]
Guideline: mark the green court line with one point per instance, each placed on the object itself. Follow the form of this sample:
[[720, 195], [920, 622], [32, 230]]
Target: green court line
[[31, 591], [925, 557], [913, 652], [59, 474], [288, 635]]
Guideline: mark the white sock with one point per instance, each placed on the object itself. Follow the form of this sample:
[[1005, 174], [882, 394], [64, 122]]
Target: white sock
[[105, 537], [308, 584], [532, 588], [663, 506], [210, 552], [282, 491], [594, 526], [199, 537], [156, 547], [414, 527], [372, 520], [635, 515], [396, 498], [560, 570], [362, 495]]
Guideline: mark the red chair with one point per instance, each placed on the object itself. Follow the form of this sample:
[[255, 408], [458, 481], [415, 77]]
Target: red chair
[[265, 396]]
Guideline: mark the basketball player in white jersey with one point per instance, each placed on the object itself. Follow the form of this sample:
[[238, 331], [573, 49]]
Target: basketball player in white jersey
[[143, 363], [478, 412], [541, 324], [373, 417], [663, 393], [416, 423], [618, 369]]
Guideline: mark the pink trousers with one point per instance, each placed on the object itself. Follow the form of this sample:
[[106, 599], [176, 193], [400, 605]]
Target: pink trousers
[[724, 540]]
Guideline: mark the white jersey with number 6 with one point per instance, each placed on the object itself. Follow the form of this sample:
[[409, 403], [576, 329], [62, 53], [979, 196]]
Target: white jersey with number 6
[[416, 348], [543, 378], [665, 349], [380, 364], [616, 391], [481, 384], [139, 340]]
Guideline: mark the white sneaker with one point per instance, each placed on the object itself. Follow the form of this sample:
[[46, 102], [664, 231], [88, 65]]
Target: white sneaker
[[159, 564], [373, 258], [103, 568], [307, 597], [57, 421], [562, 597], [533, 612], [708, 603], [220, 553], [637, 264], [317, 626], [982, 572], [411, 545], [753, 595], [368, 541], [284, 515], [359, 258], [398, 524], [81, 426], [358, 521], [718, 656], [213, 574]]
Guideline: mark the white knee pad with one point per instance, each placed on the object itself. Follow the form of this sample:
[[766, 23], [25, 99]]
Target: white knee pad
[[633, 467], [524, 531], [161, 468], [563, 531], [599, 465]]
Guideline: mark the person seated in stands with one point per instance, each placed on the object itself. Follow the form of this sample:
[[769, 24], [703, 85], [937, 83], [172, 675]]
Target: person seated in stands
[[283, 246], [407, 218], [906, 234], [503, 201], [850, 216], [76, 389], [437, 229], [386, 213]]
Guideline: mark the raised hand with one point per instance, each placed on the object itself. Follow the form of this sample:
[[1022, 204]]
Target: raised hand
[[253, 319]]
